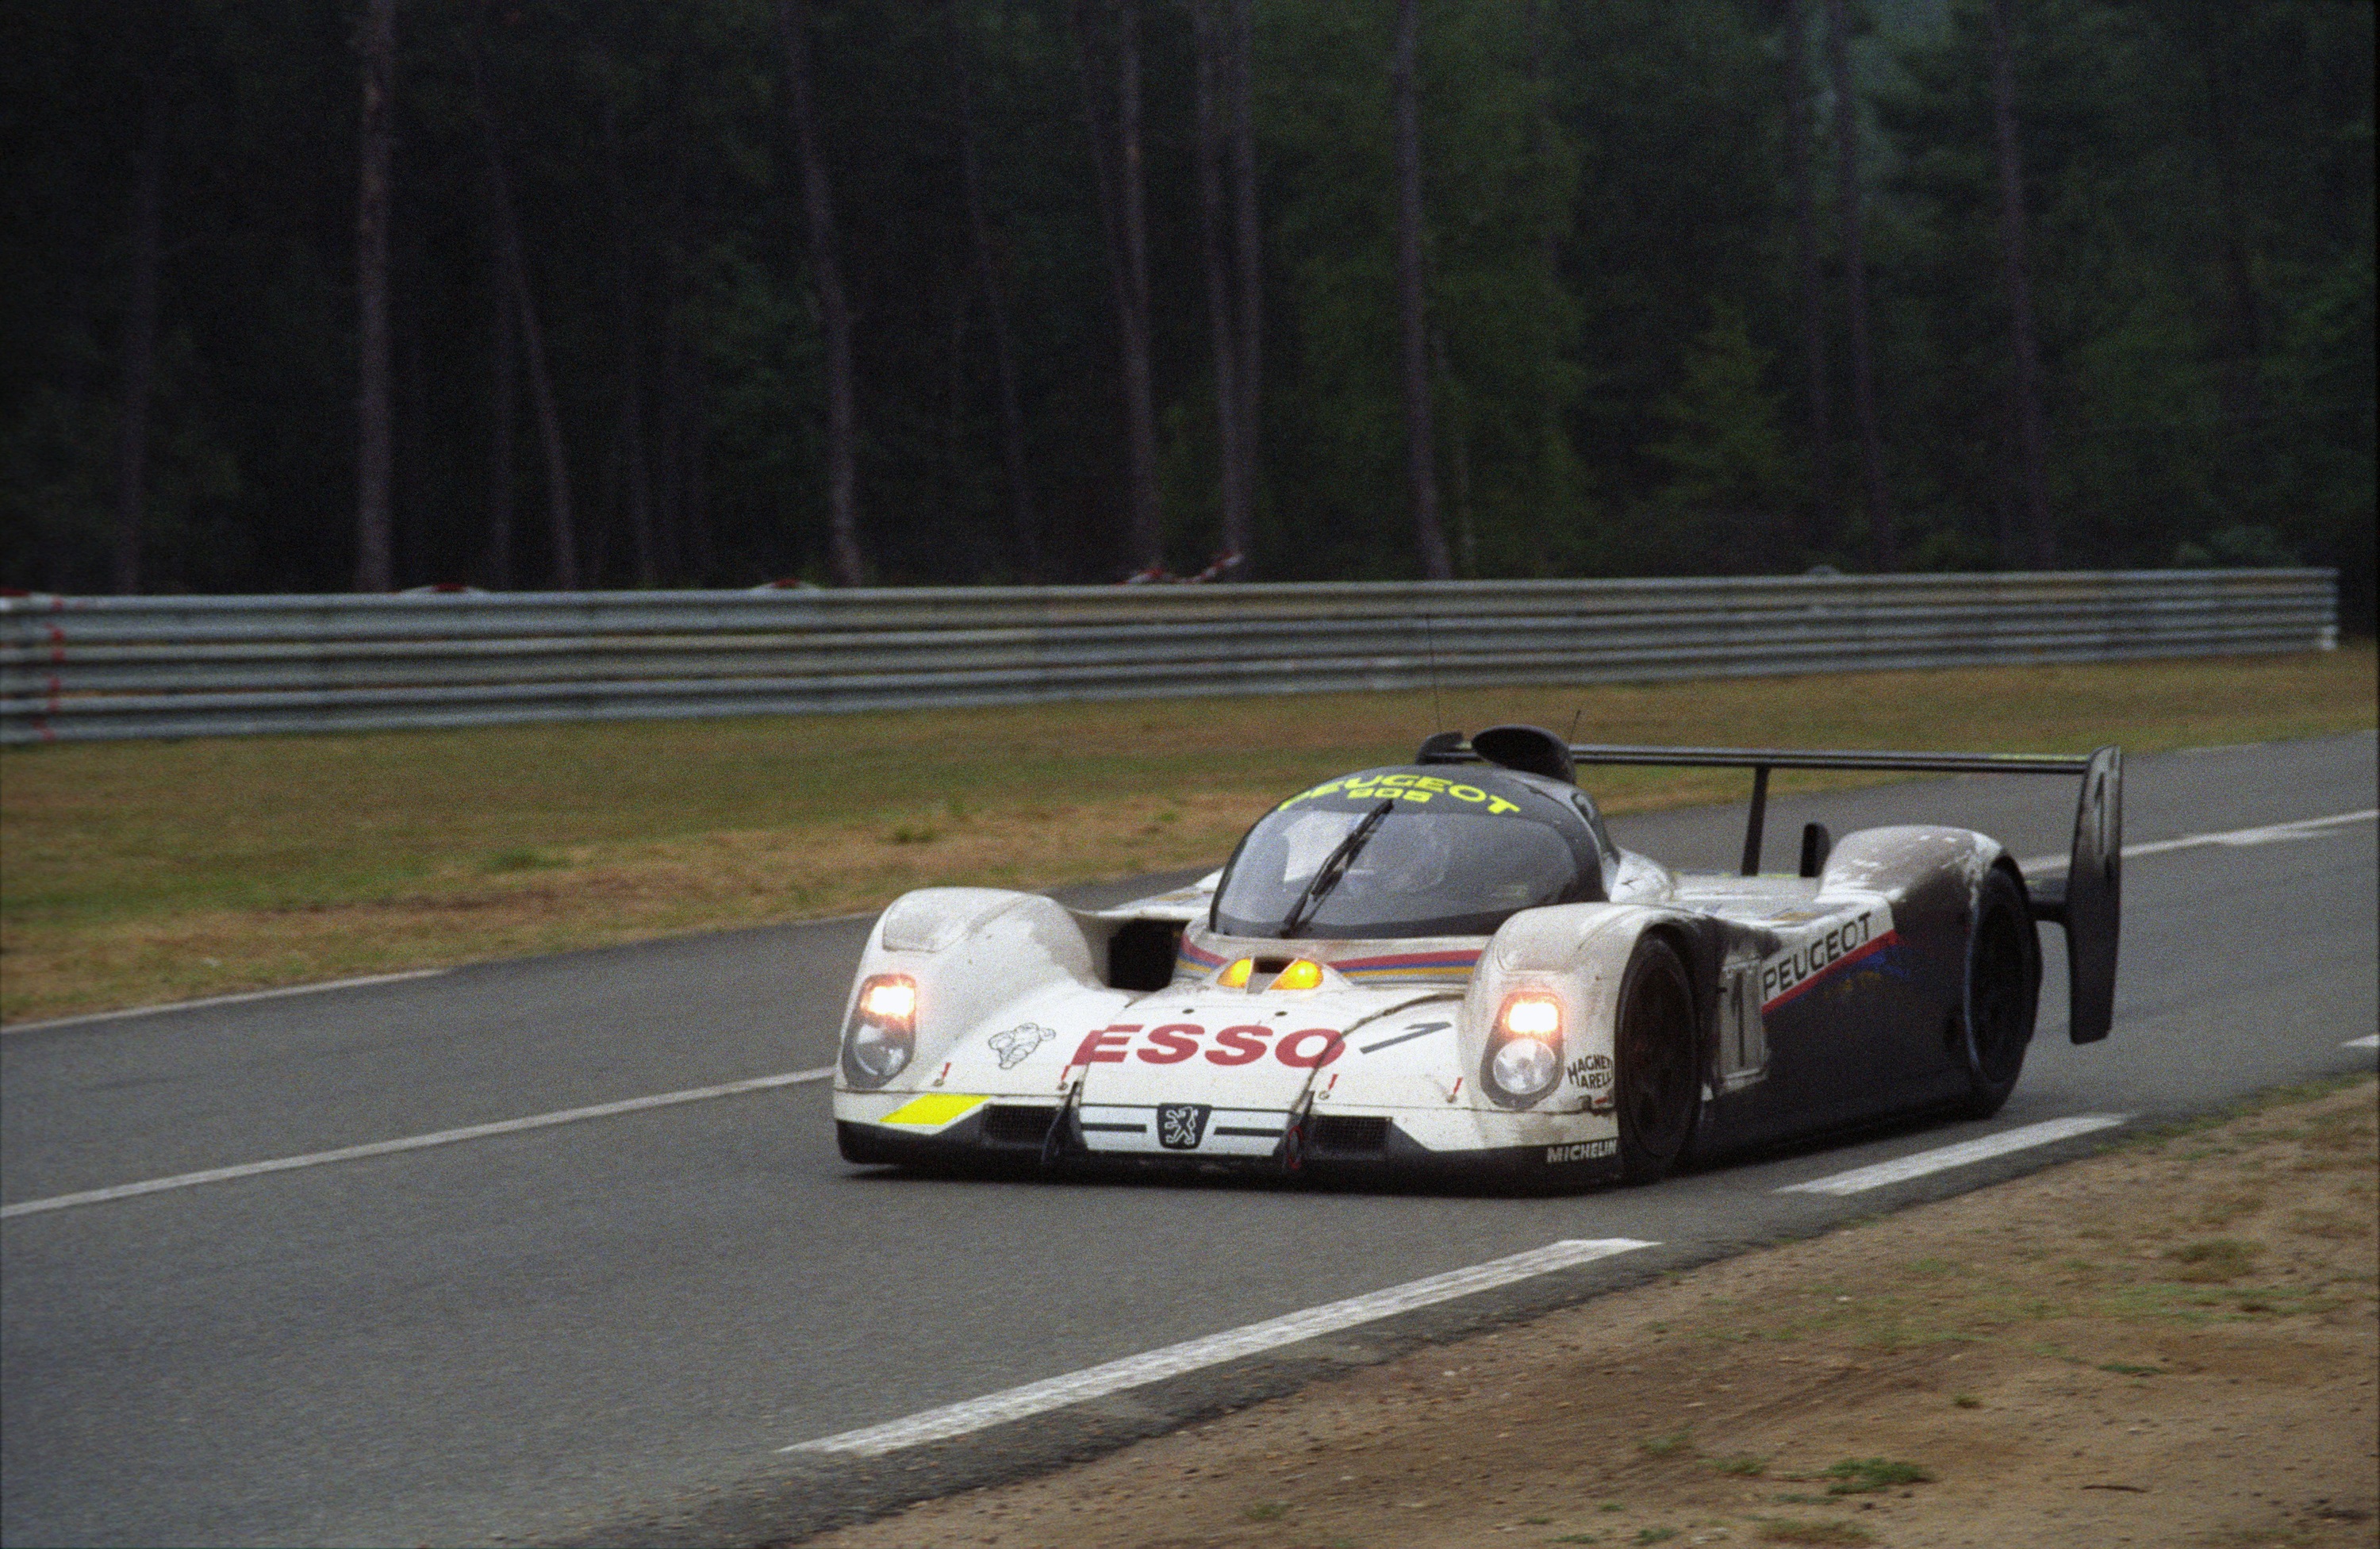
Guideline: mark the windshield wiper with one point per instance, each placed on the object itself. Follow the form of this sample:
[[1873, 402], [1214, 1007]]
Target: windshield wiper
[[1334, 866]]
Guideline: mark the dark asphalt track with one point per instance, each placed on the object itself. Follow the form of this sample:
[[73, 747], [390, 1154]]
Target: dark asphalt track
[[608, 1329]]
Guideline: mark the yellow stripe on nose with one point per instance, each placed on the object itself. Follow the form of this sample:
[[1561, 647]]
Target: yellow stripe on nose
[[936, 1108]]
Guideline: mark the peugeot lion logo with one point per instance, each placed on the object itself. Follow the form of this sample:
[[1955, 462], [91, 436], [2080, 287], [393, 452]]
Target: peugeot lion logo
[[1181, 1126]]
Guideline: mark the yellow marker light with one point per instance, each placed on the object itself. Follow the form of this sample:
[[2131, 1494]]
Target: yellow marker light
[[1236, 976], [936, 1108], [1302, 974], [890, 1000], [1528, 1016]]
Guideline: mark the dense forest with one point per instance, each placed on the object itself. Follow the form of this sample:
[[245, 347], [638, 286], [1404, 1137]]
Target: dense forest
[[580, 293]]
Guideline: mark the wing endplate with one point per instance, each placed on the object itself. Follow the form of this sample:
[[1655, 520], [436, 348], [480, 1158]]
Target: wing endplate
[[2092, 914]]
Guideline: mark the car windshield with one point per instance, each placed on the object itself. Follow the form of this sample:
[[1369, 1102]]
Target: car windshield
[[1417, 874]]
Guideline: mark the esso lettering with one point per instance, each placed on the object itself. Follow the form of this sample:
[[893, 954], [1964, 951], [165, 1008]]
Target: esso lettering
[[1246, 1044]]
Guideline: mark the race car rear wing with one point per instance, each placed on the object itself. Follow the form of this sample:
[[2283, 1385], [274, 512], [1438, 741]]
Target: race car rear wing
[[2086, 900]]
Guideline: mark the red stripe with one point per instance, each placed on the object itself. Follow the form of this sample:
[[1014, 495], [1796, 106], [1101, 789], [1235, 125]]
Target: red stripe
[[1873, 943], [1410, 959]]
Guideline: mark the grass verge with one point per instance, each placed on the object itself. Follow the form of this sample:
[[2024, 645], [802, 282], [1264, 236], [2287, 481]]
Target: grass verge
[[138, 871]]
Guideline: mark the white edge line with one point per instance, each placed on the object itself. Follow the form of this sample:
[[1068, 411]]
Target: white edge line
[[2369, 1040], [1056, 1392], [2268, 834], [1861, 1180], [411, 1143], [224, 1000]]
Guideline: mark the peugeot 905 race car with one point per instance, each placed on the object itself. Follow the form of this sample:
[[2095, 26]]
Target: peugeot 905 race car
[[1448, 967]]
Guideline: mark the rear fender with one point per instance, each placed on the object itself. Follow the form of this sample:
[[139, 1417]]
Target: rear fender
[[1931, 876], [1913, 862]]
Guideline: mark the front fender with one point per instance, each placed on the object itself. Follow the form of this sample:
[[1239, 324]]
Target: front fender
[[1580, 954], [971, 950]]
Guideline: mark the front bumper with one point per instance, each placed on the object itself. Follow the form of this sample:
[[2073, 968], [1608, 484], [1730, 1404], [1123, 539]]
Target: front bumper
[[1010, 1138]]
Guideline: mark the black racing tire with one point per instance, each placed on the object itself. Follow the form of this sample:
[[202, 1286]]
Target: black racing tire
[[1658, 1075], [2002, 993]]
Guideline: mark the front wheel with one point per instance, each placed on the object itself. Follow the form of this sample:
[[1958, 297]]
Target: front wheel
[[2003, 992], [1659, 1078]]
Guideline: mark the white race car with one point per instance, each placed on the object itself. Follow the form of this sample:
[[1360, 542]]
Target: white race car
[[1448, 967]]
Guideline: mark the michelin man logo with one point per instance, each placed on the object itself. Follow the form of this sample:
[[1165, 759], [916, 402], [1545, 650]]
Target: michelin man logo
[[1017, 1045]]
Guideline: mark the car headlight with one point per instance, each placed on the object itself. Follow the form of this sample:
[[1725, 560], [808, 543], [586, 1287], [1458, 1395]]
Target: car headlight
[[1524, 1062], [881, 1037]]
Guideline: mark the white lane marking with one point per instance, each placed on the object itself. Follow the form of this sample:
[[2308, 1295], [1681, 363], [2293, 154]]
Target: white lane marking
[[2369, 1040], [2271, 834], [1056, 1392], [411, 1142], [1860, 1179], [225, 1000]]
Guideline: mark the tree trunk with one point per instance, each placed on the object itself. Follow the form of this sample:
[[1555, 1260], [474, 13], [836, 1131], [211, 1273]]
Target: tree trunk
[[373, 568], [2245, 330], [669, 507], [1541, 138], [1147, 519], [637, 493], [510, 251], [1011, 412], [503, 412], [1823, 527], [955, 395], [1421, 464], [1239, 87], [411, 547], [1115, 153], [2024, 383], [140, 339], [1458, 459], [1882, 550], [835, 308], [1223, 321], [694, 491], [670, 412]]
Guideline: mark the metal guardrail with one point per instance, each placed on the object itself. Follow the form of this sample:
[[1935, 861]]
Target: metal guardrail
[[85, 667]]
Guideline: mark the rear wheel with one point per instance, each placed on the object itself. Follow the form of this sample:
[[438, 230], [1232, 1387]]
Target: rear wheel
[[1659, 1078], [2003, 992]]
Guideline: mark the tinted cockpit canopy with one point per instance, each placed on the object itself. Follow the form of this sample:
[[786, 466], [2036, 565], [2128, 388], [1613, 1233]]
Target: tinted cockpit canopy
[[1410, 851]]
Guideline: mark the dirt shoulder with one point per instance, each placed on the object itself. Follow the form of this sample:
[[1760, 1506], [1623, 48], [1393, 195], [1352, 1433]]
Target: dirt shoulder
[[2177, 1343]]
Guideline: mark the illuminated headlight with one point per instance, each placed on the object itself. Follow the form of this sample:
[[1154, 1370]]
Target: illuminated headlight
[[1524, 1062], [882, 1034]]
